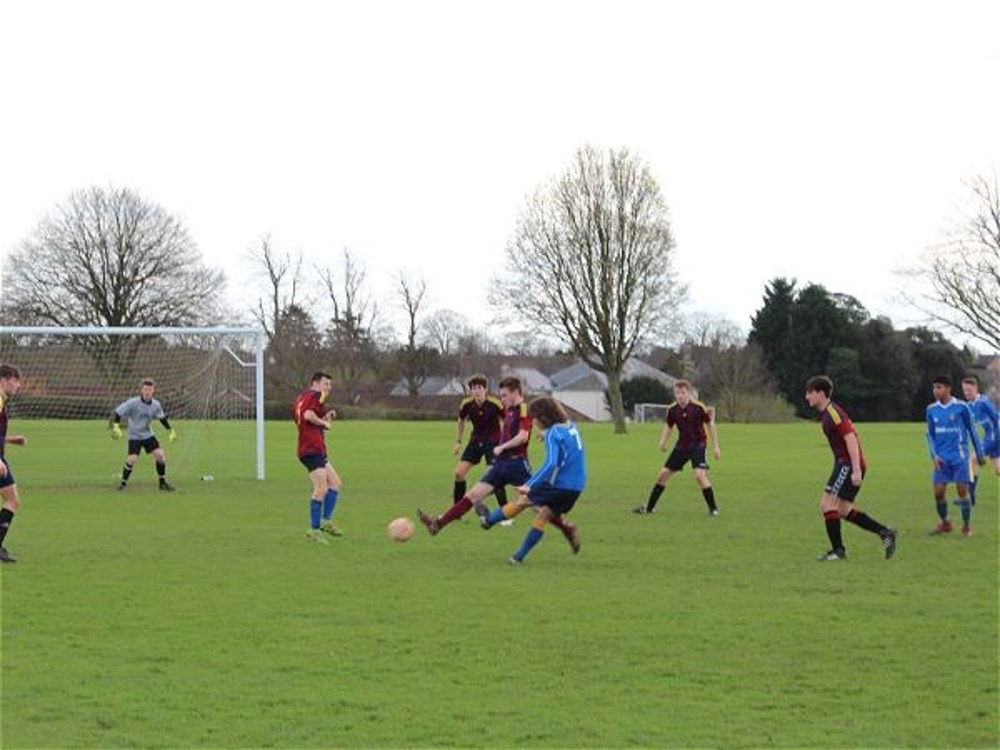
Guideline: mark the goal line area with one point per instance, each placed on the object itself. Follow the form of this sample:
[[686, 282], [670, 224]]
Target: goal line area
[[208, 380]]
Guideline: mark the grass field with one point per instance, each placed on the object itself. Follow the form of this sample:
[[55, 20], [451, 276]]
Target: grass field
[[203, 618]]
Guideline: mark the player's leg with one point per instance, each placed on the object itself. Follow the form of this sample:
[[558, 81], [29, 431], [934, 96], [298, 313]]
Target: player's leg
[[479, 490], [534, 535], [828, 508], [161, 464], [506, 512], [941, 503], [964, 505], [675, 462], [318, 482], [131, 456], [707, 492], [973, 478], [11, 504], [330, 498], [561, 505], [461, 472], [849, 512]]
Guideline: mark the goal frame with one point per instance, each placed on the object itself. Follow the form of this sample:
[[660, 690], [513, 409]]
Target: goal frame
[[640, 409], [254, 334]]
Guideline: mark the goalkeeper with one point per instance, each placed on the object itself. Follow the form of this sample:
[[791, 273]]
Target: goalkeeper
[[140, 411]]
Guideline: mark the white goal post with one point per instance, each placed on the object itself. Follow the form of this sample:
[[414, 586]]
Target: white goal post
[[650, 413], [203, 373]]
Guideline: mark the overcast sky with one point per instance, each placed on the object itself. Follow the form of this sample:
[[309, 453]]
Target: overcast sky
[[826, 141]]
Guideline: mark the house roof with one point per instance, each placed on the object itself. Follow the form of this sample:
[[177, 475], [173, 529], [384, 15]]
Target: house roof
[[582, 377]]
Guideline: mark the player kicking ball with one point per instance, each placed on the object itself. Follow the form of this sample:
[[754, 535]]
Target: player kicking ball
[[552, 490], [844, 484]]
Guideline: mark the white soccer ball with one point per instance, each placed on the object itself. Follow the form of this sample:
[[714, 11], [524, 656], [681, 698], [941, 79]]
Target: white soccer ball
[[400, 529]]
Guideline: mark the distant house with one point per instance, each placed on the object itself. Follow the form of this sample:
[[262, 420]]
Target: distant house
[[533, 382], [582, 387]]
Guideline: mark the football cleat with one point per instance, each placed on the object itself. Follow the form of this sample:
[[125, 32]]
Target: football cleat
[[641, 510], [484, 523], [315, 535], [713, 513], [431, 524], [122, 486], [942, 528], [507, 522], [5, 556], [165, 486], [515, 562], [966, 531], [480, 507], [835, 554], [329, 527], [572, 535], [889, 542]]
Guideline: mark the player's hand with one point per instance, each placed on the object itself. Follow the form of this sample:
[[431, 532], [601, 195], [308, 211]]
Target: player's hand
[[173, 436], [497, 451], [17, 440], [938, 463], [856, 478], [522, 490], [718, 453], [116, 431], [456, 448], [663, 447]]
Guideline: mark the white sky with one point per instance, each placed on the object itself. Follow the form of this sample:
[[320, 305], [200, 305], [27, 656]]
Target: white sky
[[826, 141]]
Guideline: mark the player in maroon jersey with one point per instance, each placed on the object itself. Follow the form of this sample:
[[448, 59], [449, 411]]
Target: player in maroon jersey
[[10, 384], [313, 418], [485, 412], [690, 417], [849, 466]]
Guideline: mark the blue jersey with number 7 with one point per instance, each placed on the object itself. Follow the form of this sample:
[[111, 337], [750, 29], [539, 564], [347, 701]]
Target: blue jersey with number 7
[[565, 466]]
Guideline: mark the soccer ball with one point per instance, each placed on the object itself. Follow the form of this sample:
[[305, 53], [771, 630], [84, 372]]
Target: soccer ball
[[400, 529]]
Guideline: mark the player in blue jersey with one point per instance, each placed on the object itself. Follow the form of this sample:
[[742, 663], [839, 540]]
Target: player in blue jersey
[[849, 466], [984, 414], [949, 430], [552, 490], [139, 411], [10, 384]]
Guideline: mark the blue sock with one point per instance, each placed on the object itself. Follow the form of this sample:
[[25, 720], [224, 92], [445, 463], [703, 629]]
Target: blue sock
[[495, 516], [966, 507], [533, 537], [972, 489], [329, 503], [315, 506], [942, 509]]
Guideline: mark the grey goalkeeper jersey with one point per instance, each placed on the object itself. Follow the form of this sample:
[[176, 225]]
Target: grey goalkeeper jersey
[[139, 414]]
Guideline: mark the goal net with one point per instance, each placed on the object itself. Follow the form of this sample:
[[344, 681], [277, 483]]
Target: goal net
[[209, 381], [650, 412]]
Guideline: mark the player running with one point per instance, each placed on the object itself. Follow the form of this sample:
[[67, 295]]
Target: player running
[[485, 412], [984, 414], [553, 489], [849, 466], [949, 430], [313, 418], [690, 417], [140, 411]]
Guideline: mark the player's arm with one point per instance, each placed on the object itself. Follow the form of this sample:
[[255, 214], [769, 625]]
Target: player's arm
[[520, 438], [171, 433], [16, 440], [114, 424], [970, 425], [713, 434], [854, 451], [459, 430], [665, 435], [931, 436], [312, 418]]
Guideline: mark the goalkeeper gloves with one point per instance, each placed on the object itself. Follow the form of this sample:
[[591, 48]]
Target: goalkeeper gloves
[[173, 436], [116, 431]]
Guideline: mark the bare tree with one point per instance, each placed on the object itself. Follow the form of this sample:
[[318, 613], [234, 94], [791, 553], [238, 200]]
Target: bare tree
[[591, 262], [351, 334], [446, 330], [416, 361], [962, 274], [283, 273], [110, 258]]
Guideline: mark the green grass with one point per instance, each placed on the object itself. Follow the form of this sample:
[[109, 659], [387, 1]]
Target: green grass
[[203, 618]]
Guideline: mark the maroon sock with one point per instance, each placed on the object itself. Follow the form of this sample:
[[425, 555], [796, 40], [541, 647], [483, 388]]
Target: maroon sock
[[455, 512]]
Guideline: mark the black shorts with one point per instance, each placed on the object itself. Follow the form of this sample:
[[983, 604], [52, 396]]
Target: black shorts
[[840, 484], [476, 451], [313, 461], [508, 471], [149, 445], [677, 458], [557, 500], [7, 479]]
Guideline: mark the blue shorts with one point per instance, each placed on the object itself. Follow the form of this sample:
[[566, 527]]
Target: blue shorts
[[507, 471], [558, 500], [8, 479], [476, 451], [952, 471], [314, 461]]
